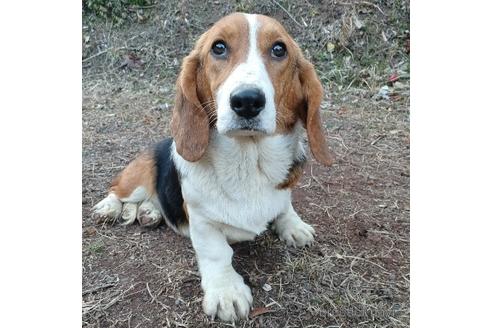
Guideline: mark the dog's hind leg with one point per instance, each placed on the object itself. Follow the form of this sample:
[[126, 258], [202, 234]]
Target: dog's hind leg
[[132, 188]]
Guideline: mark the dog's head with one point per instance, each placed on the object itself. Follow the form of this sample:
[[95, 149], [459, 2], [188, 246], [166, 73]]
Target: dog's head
[[246, 77]]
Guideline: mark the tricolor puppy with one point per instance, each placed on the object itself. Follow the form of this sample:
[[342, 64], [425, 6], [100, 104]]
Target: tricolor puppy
[[245, 98]]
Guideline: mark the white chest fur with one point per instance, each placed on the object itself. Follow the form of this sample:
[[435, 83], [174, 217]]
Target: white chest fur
[[235, 183]]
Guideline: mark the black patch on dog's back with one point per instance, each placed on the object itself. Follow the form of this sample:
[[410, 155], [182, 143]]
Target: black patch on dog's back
[[168, 186]]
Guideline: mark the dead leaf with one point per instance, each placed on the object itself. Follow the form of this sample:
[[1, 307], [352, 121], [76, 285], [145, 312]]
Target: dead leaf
[[131, 61], [393, 78], [395, 97], [90, 231], [259, 311], [342, 110]]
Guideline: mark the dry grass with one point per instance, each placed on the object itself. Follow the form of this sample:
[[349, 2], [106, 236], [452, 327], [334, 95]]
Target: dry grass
[[356, 274]]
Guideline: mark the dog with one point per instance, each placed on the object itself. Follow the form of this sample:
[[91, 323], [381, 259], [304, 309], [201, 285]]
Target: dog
[[245, 98]]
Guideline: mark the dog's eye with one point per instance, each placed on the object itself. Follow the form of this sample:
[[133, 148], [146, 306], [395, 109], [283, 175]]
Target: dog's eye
[[219, 49], [279, 50]]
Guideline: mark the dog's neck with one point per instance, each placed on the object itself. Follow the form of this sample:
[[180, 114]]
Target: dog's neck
[[245, 159]]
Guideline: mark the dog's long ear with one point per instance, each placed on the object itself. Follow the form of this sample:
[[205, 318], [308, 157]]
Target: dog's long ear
[[190, 123], [313, 93]]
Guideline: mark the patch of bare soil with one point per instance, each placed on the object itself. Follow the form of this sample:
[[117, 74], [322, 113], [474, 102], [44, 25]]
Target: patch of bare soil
[[355, 275]]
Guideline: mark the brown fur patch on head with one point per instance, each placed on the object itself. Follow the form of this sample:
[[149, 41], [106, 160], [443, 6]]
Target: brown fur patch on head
[[298, 91], [282, 72], [201, 75], [233, 31]]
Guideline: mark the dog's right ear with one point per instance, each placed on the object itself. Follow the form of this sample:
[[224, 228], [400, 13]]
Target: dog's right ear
[[189, 123]]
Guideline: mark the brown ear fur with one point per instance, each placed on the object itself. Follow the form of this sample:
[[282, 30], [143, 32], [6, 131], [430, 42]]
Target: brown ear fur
[[190, 123], [313, 93]]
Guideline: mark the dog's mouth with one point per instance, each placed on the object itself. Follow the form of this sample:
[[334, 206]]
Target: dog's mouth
[[246, 128], [246, 132]]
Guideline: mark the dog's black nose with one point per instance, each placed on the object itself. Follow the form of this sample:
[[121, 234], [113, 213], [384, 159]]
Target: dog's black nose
[[247, 102]]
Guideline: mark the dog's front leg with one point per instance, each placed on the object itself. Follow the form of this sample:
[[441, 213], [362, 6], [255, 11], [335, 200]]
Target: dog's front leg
[[291, 229], [226, 294]]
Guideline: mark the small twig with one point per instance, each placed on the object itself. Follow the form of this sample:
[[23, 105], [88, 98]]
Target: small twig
[[260, 271], [287, 12], [102, 52], [348, 50], [377, 139], [389, 235], [355, 258], [322, 187], [133, 8], [340, 139], [92, 290], [324, 209], [319, 183], [273, 302], [119, 297], [373, 5], [96, 55], [155, 299], [367, 3], [150, 293]]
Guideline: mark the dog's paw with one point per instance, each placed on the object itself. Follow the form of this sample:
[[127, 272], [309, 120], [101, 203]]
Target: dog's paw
[[294, 232], [108, 209], [228, 298], [148, 215], [111, 209], [128, 214]]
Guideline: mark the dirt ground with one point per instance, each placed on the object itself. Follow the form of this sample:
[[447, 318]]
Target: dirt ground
[[357, 274]]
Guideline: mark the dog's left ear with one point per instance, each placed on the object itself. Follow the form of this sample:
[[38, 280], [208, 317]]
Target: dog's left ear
[[189, 123], [313, 93]]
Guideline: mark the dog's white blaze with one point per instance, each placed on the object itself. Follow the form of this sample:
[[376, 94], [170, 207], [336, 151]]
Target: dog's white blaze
[[252, 72]]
